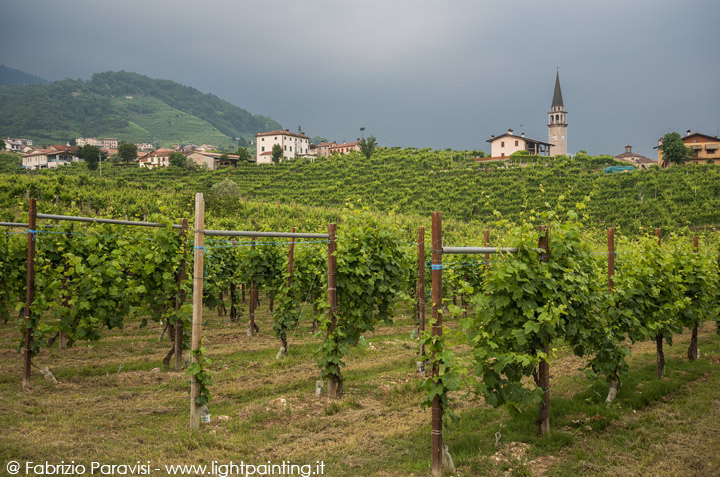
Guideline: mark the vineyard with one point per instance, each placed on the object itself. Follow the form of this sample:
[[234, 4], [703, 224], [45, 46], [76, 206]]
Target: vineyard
[[409, 182], [346, 331]]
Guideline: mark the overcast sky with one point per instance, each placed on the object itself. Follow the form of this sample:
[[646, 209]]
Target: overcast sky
[[414, 73]]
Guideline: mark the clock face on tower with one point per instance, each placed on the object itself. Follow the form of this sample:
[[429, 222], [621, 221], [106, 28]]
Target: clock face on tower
[[554, 138]]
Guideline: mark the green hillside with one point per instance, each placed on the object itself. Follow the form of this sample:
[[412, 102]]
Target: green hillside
[[125, 105], [13, 76]]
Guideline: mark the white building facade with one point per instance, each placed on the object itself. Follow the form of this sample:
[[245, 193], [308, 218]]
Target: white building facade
[[158, 158], [50, 158], [293, 145], [506, 144]]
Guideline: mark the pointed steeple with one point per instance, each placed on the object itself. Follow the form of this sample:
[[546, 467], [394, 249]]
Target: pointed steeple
[[557, 96]]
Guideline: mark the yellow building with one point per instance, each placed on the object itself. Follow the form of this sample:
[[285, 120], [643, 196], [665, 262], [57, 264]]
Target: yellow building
[[705, 149]]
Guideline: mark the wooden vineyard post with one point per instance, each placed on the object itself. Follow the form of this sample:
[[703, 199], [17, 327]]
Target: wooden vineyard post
[[420, 292], [291, 259], [180, 299], [30, 290], [233, 288], [334, 385], [543, 420], [659, 339], [198, 258], [253, 298], [693, 353], [436, 270], [611, 257]]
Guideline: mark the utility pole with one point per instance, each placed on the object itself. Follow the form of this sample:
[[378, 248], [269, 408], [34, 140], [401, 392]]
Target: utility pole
[[362, 132]]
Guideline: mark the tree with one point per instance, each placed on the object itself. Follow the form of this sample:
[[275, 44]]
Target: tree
[[673, 149], [277, 153], [318, 140], [127, 152], [243, 154], [178, 159], [224, 195], [2, 145], [367, 146], [91, 155]]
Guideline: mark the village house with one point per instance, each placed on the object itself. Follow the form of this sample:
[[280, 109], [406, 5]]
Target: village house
[[106, 143], [206, 148], [293, 145], [18, 145], [705, 149], [345, 147], [145, 146], [504, 145], [213, 160], [157, 158], [322, 149], [49, 158], [641, 162], [188, 148]]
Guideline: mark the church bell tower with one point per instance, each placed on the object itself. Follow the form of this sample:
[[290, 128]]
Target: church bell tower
[[557, 122]]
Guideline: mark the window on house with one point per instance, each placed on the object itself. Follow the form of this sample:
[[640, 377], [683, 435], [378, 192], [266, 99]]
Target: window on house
[[502, 144], [516, 143], [286, 148], [502, 154], [262, 149]]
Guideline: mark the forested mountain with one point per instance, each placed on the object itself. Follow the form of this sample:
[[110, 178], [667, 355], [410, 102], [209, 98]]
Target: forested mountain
[[13, 76], [128, 106]]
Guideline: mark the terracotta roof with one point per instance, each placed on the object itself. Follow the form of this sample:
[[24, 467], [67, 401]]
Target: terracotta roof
[[278, 132], [266, 153], [525, 138], [217, 155], [345, 144], [161, 152], [60, 147], [630, 154], [45, 152], [37, 152], [645, 160], [701, 135]]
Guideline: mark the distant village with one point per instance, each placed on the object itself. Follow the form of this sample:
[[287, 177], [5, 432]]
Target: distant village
[[503, 147], [293, 145]]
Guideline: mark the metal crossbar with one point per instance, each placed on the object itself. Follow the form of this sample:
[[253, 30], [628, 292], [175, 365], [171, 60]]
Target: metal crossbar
[[242, 233], [477, 250], [103, 221], [12, 224]]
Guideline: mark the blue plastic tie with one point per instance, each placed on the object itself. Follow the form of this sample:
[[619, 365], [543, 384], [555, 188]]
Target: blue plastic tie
[[436, 266]]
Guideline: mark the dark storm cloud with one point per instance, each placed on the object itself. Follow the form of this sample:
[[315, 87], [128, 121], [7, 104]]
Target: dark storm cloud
[[420, 73]]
